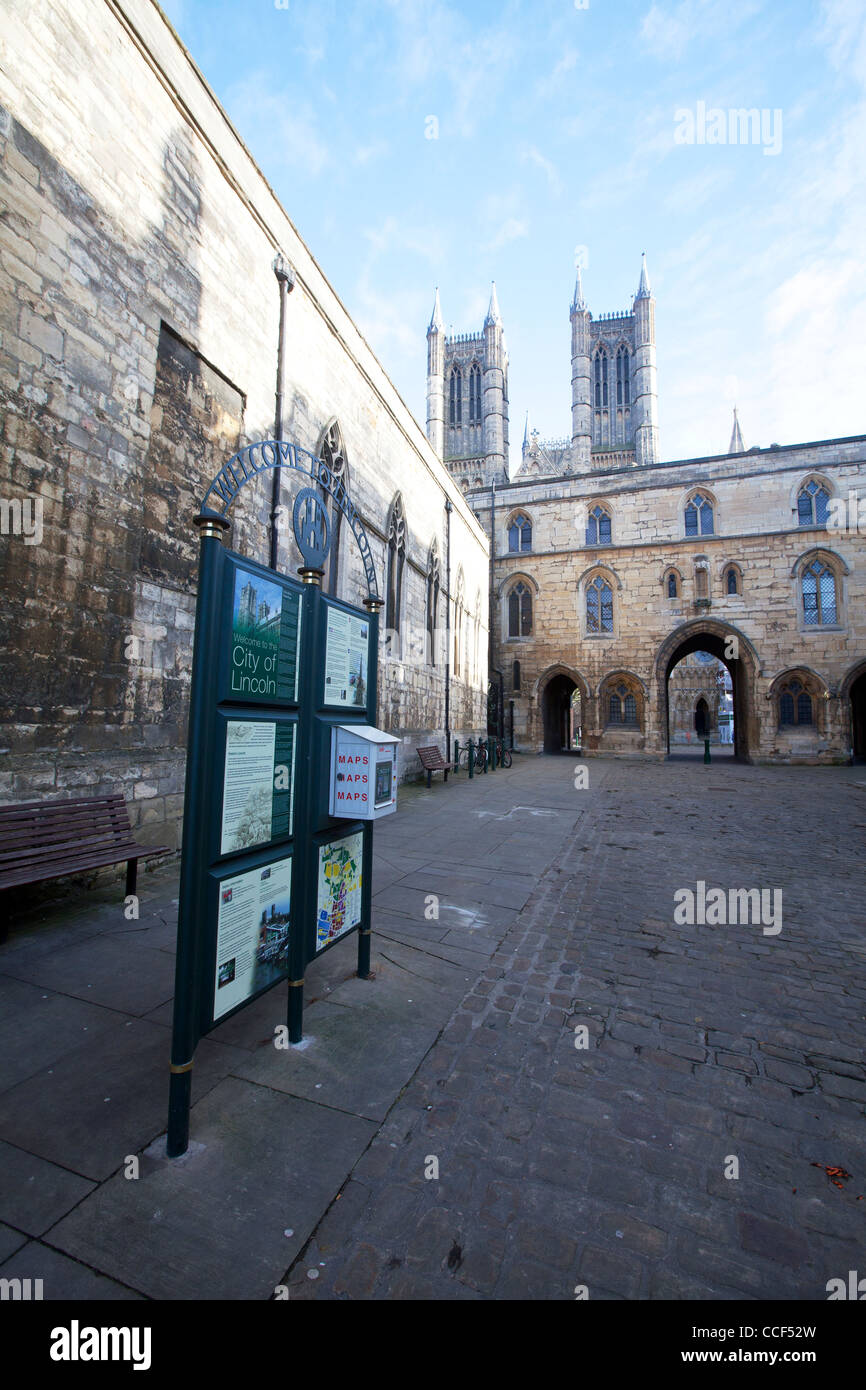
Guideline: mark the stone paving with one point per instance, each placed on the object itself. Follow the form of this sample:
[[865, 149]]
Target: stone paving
[[605, 1167], [514, 916]]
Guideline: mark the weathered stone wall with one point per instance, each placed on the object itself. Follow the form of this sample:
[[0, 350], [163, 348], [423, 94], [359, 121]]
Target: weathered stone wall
[[755, 514], [139, 315]]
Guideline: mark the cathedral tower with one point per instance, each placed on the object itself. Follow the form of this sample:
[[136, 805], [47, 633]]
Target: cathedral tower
[[467, 399]]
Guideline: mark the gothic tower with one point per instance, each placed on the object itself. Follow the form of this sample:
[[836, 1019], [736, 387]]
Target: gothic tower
[[467, 399]]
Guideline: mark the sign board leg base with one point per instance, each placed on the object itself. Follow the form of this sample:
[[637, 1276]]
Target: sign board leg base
[[296, 1011], [180, 1090]]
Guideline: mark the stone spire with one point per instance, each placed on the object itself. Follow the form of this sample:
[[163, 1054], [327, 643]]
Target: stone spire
[[493, 315], [736, 446], [578, 302], [644, 291], [526, 434], [436, 323]]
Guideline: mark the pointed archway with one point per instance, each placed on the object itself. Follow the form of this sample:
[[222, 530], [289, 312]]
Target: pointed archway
[[562, 696], [853, 692], [734, 650]]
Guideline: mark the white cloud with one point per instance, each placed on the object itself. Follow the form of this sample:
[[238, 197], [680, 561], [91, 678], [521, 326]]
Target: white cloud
[[284, 133], [512, 229], [528, 154]]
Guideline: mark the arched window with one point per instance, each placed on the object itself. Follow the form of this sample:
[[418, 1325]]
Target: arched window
[[459, 609], [333, 455], [433, 585], [520, 611], [622, 706], [515, 678], [795, 704], [520, 535], [475, 394], [455, 397], [699, 516], [812, 505], [599, 606], [601, 378], [819, 595], [396, 560], [598, 527], [672, 586], [622, 376], [732, 581]]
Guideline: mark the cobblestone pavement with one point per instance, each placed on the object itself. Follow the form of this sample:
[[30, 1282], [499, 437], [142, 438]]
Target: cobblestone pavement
[[605, 1166]]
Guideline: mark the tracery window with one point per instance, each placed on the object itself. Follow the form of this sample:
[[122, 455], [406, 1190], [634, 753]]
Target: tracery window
[[600, 366], [819, 595], [622, 376], [520, 611], [672, 586], [520, 534], [732, 581], [433, 585], [699, 516], [622, 706], [599, 606], [475, 394], [598, 527], [812, 505], [795, 704], [455, 397], [396, 561]]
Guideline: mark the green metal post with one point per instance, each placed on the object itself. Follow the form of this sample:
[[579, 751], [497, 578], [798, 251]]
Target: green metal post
[[471, 758], [456, 755], [707, 750], [491, 754], [194, 856]]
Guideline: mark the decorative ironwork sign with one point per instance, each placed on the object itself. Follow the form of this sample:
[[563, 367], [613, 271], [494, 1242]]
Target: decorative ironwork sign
[[274, 453], [312, 528]]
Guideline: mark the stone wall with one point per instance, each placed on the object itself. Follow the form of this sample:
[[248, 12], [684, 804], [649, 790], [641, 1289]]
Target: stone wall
[[139, 314]]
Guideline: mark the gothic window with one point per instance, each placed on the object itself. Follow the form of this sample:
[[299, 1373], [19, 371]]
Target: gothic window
[[795, 704], [622, 706], [732, 581], [622, 376], [812, 505], [599, 606], [819, 595], [515, 677], [601, 378], [520, 534], [475, 394], [598, 527], [520, 611], [672, 585], [396, 561], [458, 626], [333, 455], [455, 399], [699, 516], [433, 584]]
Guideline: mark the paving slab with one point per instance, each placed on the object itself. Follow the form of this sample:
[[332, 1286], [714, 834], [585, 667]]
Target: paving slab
[[122, 974], [35, 1193], [105, 1099], [214, 1224], [47, 1030], [63, 1280]]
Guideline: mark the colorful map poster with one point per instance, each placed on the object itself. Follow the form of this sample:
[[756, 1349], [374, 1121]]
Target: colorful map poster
[[347, 657], [252, 934], [266, 631], [338, 905], [258, 783]]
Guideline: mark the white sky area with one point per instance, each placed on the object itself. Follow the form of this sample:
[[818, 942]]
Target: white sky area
[[561, 128]]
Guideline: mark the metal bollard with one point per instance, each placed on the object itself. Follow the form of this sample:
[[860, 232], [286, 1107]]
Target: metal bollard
[[471, 760], [456, 755], [707, 750]]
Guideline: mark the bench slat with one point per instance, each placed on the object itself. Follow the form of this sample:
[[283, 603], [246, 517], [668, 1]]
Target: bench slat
[[51, 839]]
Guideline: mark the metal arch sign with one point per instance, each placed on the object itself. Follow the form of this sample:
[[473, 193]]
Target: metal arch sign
[[274, 453]]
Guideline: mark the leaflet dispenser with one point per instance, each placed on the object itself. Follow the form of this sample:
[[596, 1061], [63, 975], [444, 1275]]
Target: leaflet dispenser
[[363, 772]]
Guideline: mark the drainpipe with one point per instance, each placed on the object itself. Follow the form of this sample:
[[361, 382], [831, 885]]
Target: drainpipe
[[286, 281], [448, 510]]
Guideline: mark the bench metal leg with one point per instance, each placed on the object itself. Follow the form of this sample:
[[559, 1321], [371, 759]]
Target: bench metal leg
[[429, 778], [131, 876]]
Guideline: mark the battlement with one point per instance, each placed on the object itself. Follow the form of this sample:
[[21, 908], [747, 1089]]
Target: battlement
[[466, 338], [606, 318]]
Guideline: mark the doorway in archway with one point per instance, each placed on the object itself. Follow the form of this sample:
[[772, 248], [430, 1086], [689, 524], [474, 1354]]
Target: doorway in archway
[[713, 699], [858, 718], [557, 714]]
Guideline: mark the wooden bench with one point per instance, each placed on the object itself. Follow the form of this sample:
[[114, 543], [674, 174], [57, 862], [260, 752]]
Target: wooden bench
[[48, 839], [432, 761]]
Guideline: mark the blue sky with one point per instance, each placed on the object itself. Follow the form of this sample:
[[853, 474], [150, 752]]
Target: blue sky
[[558, 138]]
